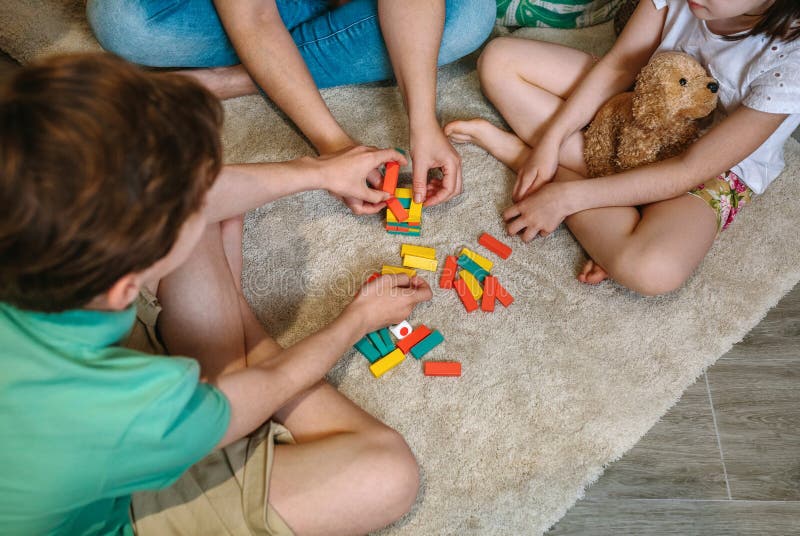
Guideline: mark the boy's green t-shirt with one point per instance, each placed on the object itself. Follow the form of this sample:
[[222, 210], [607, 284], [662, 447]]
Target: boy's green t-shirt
[[84, 423]]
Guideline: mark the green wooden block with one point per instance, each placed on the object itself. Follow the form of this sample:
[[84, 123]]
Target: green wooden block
[[367, 350], [427, 344], [377, 340], [405, 201], [387, 338], [409, 233], [473, 268]]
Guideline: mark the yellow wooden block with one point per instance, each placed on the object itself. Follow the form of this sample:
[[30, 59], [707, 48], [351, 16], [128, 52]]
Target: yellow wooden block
[[387, 269], [417, 251], [420, 262], [390, 217], [387, 363], [403, 193], [415, 212], [472, 284], [480, 260]]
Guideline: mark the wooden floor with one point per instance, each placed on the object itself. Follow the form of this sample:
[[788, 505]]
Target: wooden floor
[[724, 461]]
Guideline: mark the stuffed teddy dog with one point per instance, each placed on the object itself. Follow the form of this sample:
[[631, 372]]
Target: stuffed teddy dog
[[657, 120]]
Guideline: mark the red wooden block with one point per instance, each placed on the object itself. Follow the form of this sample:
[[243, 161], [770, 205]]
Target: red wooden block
[[448, 272], [503, 296], [397, 209], [373, 277], [413, 338], [442, 368], [390, 177], [494, 245], [489, 293], [466, 296]]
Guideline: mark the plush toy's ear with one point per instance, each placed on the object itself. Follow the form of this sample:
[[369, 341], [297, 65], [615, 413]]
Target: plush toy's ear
[[648, 107]]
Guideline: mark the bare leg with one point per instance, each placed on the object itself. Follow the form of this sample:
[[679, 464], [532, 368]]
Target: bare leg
[[348, 472], [224, 82]]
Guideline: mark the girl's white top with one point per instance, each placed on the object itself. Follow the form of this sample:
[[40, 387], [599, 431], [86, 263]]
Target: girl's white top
[[755, 72]]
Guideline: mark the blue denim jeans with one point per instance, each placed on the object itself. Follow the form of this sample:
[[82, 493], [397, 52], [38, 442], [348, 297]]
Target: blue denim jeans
[[340, 46]]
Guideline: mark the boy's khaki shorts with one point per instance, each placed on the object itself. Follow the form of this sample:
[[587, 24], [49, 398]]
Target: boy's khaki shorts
[[224, 493]]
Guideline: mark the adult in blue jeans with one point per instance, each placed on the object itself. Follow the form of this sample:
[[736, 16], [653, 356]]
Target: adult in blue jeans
[[290, 48]]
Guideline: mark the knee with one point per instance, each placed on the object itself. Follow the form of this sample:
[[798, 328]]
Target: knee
[[649, 271], [494, 62], [121, 27], [397, 476], [468, 24]]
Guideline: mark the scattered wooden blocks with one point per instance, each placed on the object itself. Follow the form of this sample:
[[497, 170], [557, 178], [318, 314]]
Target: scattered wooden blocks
[[472, 284], [401, 330], [368, 350], [494, 245], [420, 262], [466, 296], [417, 251], [503, 296], [390, 177], [442, 368], [388, 269], [489, 296], [413, 338], [480, 260], [397, 209], [448, 272], [472, 267], [385, 364], [380, 344], [427, 344]]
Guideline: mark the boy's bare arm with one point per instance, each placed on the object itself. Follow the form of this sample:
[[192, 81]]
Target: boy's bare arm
[[257, 392], [243, 187]]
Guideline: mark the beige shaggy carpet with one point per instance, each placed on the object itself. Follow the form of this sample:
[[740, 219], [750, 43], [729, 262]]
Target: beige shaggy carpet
[[554, 388]]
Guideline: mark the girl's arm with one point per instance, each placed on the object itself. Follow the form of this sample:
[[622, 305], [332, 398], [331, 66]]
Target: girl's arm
[[613, 74], [724, 146], [270, 56], [243, 187]]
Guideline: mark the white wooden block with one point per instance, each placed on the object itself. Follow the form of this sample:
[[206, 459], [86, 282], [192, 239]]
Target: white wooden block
[[401, 330]]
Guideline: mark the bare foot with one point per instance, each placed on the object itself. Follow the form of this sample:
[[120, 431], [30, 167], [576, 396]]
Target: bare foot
[[224, 82], [592, 273], [505, 146]]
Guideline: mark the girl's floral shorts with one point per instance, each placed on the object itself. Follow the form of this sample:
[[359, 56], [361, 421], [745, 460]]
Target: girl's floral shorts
[[726, 195]]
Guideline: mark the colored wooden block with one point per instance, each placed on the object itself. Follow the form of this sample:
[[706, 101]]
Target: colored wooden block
[[427, 344], [472, 284], [413, 338], [380, 344], [420, 262], [401, 330], [410, 225], [373, 277], [403, 193], [503, 296], [442, 368], [397, 270], [473, 268], [387, 363], [397, 209], [466, 296], [406, 203], [368, 350], [494, 245], [404, 232], [390, 177], [417, 251], [448, 272], [489, 289], [387, 338], [480, 260], [415, 211]]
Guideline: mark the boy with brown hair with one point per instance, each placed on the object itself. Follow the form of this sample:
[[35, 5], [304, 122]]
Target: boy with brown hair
[[113, 192]]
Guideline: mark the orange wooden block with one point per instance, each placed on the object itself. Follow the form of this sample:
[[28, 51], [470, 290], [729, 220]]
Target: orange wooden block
[[466, 296], [503, 296], [489, 293], [390, 177], [442, 368], [448, 272], [373, 277], [397, 209], [494, 245], [413, 338]]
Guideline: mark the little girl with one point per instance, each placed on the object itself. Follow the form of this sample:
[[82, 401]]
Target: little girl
[[640, 227]]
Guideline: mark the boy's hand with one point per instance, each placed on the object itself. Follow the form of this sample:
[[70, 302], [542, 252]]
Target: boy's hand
[[538, 214], [387, 300], [430, 149], [346, 174], [537, 170]]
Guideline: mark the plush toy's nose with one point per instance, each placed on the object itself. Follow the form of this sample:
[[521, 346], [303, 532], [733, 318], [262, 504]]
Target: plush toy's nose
[[713, 86]]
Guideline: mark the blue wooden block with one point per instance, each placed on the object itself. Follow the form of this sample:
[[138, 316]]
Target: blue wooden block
[[405, 202], [473, 268], [387, 338], [368, 350], [427, 344], [377, 340]]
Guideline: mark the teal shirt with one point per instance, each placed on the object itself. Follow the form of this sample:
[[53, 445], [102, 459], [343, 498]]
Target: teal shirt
[[85, 423]]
